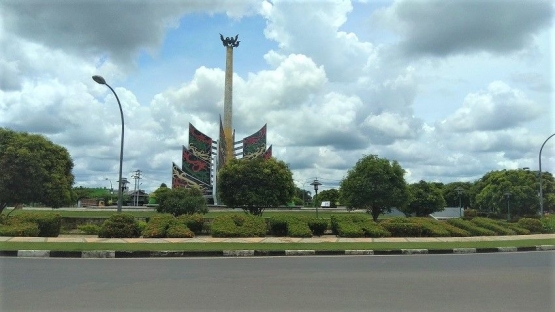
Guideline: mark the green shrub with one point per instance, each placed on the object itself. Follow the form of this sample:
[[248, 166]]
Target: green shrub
[[373, 229], [49, 223], [20, 229], [470, 213], [353, 225], [194, 222], [349, 229], [157, 226], [454, 231], [278, 225], [548, 223], [518, 230], [142, 226], [493, 225], [89, 229], [178, 229], [318, 226], [402, 229], [472, 228], [532, 225], [238, 226], [298, 228], [179, 201], [351, 218], [431, 227], [120, 225]]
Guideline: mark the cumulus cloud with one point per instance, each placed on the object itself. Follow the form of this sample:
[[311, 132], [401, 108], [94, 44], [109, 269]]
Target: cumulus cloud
[[438, 28], [496, 108]]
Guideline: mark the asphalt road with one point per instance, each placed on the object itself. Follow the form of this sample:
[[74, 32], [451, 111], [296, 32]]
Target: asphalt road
[[476, 282]]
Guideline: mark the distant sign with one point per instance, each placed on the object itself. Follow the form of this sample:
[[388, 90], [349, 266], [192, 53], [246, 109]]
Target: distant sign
[[326, 204]]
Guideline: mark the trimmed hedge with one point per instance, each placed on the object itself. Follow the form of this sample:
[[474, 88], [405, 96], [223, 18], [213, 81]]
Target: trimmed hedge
[[318, 226], [472, 228], [89, 229], [518, 230], [548, 223], [432, 227], [238, 226], [352, 225], [178, 229], [21, 229], [492, 225], [157, 226], [297, 226], [455, 231], [49, 223], [403, 229], [120, 225], [532, 225], [194, 222]]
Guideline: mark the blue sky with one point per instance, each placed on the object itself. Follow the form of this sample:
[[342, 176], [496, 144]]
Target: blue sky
[[449, 89]]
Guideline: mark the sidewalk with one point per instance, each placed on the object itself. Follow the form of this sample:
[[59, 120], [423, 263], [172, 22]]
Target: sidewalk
[[321, 239]]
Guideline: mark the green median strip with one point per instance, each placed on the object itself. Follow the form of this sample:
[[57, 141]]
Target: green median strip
[[268, 246]]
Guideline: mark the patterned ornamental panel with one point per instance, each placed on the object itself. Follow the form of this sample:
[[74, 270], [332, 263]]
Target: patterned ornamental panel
[[195, 167], [181, 179], [255, 145], [200, 144], [268, 153]]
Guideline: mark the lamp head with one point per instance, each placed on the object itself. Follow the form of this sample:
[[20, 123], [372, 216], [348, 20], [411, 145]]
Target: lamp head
[[99, 79]]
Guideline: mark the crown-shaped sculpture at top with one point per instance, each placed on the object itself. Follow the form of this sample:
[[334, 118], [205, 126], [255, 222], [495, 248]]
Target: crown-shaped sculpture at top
[[230, 41]]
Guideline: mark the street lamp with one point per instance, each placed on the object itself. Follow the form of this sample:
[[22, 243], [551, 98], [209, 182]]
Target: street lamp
[[459, 191], [100, 80], [315, 184], [507, 195], [540, 175], [111, 189]]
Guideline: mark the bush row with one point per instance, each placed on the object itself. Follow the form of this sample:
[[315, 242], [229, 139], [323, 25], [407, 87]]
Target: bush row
[[352, 225], [238, 226], [471, 228], [48, 224], [297, 226], [492, 225]]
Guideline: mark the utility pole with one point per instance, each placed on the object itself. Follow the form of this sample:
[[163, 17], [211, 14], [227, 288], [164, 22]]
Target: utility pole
[[137, 178]]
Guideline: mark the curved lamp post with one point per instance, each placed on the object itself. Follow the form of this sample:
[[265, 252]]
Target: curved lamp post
[[100, 80], [540, 174], [316, 183]]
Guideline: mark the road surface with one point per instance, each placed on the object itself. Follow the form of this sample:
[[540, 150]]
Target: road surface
[[523, 281]]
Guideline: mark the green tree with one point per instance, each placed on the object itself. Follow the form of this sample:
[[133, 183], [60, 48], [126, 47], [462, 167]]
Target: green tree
[[451, 195], [179, 201], [523, 186], [331, 195], [375, 184], [255, 184], [426, 198], [33, 170]]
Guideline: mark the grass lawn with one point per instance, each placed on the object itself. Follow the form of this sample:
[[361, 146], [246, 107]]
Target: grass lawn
[[267, 246]]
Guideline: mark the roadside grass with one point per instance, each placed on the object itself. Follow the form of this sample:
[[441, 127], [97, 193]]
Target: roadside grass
[[267, 246]]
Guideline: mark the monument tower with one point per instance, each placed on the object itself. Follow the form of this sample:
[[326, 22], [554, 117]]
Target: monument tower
[[229, 43], [199, 163]]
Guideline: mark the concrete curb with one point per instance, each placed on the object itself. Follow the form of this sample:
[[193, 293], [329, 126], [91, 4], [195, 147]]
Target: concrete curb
[[98, 254]]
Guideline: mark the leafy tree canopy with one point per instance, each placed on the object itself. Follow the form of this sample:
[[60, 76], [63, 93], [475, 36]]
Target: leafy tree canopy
[[331, 195], [179, 201], [375, 184], [426, 198], [523, 187], [451, 195], [255, 184], [33, 170]]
